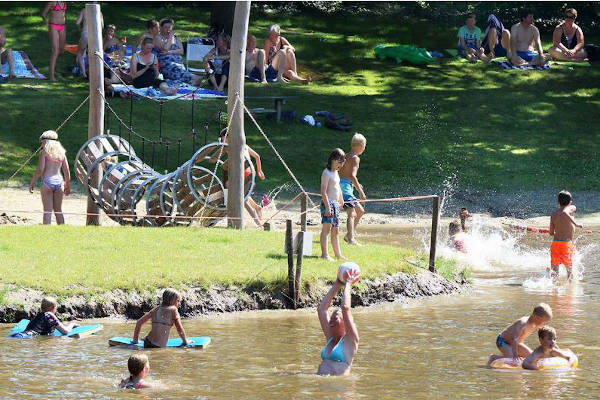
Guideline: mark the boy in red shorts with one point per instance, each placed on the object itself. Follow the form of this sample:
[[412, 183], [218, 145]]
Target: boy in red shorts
[[562, 228]]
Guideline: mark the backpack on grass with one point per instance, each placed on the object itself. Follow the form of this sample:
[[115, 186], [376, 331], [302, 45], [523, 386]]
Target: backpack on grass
[[338, 121], [593, 52]]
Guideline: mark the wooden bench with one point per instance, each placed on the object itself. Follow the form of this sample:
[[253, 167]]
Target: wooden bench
[[278, 102]]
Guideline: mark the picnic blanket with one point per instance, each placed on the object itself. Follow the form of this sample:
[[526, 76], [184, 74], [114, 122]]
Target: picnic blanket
[[183, 93], [508, 65], [23, 67]]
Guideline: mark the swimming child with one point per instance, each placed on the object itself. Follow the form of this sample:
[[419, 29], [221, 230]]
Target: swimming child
[[138, 366], [510, 340], [457, 236], [45, 322], [349, 181], [331, 196], [163, 317], [463, 215], [562, 228], [548, 348]]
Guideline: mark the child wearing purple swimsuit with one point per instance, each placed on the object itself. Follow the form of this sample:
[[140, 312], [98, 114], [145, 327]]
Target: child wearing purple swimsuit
[[52, 160], [138, 366]]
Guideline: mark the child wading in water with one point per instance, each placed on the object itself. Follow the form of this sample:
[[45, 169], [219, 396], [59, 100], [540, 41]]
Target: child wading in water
[[331, 198], [510, 340], [163, 317], [562, 228], [349, 181], [138, 366], [45, 322], [548, 348]]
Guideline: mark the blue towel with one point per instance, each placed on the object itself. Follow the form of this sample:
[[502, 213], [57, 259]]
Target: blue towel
[[507, 65]]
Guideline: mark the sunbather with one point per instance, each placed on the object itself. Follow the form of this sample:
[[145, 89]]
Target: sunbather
[[6, 54]]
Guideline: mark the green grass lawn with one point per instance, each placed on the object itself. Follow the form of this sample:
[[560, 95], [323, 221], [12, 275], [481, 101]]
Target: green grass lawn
[[70, 260], [492, 129]]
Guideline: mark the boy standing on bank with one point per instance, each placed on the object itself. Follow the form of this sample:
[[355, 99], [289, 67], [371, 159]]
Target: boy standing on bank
[[349, 181], [562, 228]]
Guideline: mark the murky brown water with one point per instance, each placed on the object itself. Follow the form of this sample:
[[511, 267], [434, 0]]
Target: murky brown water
[[425, 349]]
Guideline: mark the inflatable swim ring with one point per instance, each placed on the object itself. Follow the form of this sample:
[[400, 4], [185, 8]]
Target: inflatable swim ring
[[545, 363]]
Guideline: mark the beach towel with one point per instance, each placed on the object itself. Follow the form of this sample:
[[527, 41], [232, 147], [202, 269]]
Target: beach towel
[[185, 91], [23, 67], [507, 65]]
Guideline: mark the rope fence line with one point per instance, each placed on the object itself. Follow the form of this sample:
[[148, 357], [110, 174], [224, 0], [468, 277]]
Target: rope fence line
[[387, 200], [40, 148]]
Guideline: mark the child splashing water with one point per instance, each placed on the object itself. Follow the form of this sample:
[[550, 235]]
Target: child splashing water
[[331, 199], [163, 317], [562, 228]]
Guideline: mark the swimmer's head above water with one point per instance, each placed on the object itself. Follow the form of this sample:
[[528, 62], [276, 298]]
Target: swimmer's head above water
[[336, 323]]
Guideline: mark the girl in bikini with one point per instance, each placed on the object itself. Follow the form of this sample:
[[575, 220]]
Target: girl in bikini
[[52, 160], [57, 30], [339, 330], [163, 317]]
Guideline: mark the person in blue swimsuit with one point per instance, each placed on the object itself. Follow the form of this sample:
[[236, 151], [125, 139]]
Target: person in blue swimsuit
[[339, 330]]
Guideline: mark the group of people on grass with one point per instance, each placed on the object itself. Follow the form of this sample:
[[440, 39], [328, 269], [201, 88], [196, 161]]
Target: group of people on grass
[[522, 44], [161, 51]]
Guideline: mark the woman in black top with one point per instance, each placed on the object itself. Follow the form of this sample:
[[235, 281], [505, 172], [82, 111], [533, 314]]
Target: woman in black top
[[568, 39], [144, 69]]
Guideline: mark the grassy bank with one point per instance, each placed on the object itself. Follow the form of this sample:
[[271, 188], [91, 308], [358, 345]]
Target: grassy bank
[[482, 127], [91, 260]]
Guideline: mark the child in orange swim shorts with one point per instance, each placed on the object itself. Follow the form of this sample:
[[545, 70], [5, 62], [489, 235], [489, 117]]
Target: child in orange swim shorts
[[562, 228]]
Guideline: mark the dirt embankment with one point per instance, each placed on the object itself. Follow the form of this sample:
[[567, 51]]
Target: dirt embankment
[[21, 303]]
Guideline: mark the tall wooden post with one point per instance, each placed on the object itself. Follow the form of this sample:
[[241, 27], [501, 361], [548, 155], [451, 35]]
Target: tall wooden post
[[435, 219], [303, 208], [289, 248], [96, 113], [236, 137]]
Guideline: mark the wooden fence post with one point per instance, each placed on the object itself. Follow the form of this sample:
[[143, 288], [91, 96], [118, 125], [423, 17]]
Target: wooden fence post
[[290, 256], [303, 208], [435, 219], [298, 267]]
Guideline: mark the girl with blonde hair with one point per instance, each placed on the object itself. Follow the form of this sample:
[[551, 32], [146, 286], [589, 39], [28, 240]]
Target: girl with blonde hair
[[52, 160]]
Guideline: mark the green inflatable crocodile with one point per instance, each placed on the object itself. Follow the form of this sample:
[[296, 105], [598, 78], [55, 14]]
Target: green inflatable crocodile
[[403, 53]]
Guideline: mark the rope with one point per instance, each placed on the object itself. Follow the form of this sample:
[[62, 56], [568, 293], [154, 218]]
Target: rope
[[387, 200], [278, 155], [212, 178], [40, 148]]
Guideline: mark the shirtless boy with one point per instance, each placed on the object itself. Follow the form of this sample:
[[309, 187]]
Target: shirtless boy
[[510, 340], [548, 348], [524, 37], [562, 227], [6, 54], [349, 181], [255, 60]]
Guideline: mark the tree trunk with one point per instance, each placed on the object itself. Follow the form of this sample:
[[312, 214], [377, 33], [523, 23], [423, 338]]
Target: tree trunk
[[221, 16]]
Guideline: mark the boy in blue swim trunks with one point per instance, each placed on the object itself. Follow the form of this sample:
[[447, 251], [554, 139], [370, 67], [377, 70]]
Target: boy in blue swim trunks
[[510, 340], [524, 39], [349, 181], [331, 199]]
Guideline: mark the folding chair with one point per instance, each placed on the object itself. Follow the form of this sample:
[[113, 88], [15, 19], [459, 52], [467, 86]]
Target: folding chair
[[196, 49]]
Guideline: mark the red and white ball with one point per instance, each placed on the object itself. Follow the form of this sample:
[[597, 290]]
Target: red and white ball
[[347, 270]]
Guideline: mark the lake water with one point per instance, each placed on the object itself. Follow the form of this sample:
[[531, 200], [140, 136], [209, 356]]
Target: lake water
[[421, 349]]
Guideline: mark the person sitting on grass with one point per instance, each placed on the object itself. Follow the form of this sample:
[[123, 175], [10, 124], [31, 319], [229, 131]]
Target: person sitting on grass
[[144, 69], [163, 317], [111, 44], [525, 37], [568, 40], [45, 322], [469, 40], [496, 40], [281, 58], [139, 367], [170, 55], [6, 54], [152, 30], [217, 61], [548, 348], [52, 160], [254, 67]]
